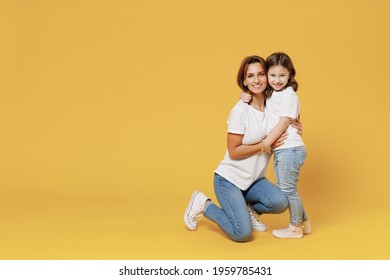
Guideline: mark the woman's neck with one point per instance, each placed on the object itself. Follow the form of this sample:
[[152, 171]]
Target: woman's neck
[[257, 102]]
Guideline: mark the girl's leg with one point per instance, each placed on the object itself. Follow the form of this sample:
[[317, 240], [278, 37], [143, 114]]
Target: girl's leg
[[265, 197], [233, 216], [287, 164], [304, 216]]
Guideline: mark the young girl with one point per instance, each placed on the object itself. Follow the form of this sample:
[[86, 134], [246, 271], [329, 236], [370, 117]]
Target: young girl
[[283, 104]]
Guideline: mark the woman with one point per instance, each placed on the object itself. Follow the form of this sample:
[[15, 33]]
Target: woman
[[239, 180]]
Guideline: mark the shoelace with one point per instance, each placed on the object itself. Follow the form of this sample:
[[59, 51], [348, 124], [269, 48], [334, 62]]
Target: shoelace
[[197, 215], [293, 228], [253, 216]]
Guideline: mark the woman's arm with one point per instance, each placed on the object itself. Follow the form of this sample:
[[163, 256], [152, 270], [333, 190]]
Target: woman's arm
[[239, 151], [280, 141], [297, 124]]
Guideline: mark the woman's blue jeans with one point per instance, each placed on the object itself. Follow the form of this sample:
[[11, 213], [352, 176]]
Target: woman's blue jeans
[[233, 216], [287, 164]]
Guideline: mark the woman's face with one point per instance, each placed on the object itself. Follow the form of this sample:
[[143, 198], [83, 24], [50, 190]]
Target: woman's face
[[278, 77], [255, 78]]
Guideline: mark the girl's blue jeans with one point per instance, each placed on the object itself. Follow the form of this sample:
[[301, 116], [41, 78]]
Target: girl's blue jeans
[[233, 216], [287, 164]]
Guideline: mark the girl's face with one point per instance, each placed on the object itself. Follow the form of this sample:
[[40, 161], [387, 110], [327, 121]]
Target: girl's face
[[255, 78], [278, 77]]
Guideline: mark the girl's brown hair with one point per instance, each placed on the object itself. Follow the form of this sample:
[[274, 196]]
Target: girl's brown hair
[[282, 59]]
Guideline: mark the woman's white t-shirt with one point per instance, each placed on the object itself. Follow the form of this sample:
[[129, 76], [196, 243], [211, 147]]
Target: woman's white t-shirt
[[245, 119]]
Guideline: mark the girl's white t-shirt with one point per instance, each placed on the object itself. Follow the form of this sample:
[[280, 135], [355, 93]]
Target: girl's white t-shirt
[[245, 119], [284, 103]]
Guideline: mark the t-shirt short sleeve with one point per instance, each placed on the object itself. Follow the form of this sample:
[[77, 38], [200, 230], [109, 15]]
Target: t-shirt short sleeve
[[289, 104], [236, 119]]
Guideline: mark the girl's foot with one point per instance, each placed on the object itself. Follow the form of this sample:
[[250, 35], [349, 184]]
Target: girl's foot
[[289, 232]]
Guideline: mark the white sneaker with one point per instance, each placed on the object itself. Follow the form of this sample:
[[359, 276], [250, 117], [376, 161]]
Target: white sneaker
[[194, 210], [256, 224], [289, 232], [306, 227]]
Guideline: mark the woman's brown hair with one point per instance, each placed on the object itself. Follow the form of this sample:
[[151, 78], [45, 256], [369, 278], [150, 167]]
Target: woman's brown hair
[[244, 67]]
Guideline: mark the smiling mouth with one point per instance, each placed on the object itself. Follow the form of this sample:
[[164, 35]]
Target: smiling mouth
[[257, 86]]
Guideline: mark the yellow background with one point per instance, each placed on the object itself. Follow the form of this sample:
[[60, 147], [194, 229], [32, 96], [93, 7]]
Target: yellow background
[[113, 112]]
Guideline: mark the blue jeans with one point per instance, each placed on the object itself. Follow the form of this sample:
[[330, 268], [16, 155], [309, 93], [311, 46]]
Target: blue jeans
[[287, 164], [233, 216]]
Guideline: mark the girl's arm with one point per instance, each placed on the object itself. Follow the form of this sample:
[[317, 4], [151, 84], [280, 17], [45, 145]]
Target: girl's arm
[[280, 127], [275, 133], [246, 97]]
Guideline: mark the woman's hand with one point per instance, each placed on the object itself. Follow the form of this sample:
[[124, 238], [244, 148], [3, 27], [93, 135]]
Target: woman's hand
[[280, 141], [298, 125]]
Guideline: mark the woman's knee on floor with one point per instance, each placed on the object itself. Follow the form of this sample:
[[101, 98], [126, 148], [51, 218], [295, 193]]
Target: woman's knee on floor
[[244, 235]]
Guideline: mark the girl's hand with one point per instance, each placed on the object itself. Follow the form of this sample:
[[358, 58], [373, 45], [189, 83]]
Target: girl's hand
[[280, 141], [246, 97], [298, 125]]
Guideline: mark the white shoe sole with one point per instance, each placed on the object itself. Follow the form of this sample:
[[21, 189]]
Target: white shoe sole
[[188, 210], [261, 229], [287, 237]]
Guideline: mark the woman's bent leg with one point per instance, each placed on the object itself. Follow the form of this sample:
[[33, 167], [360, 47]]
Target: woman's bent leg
[[233, 216], [265, 197]]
